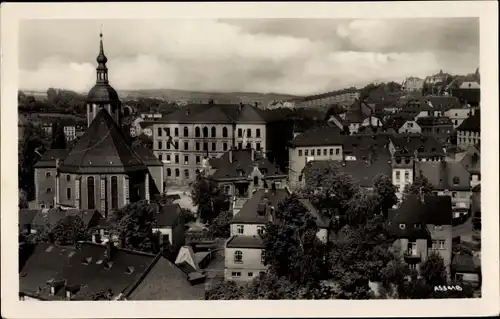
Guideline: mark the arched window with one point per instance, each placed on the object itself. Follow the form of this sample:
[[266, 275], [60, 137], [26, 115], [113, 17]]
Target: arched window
[[256, 180], [114, 192], [224, 132], [197, 132], [186, 131], [186, 173], [205, 131], [214, 132], [169, 172], [238, 256], [177, 172], [90, 193]]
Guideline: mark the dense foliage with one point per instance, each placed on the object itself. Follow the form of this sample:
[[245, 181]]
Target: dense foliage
[[419, 187], [209, 197], [219, 227]]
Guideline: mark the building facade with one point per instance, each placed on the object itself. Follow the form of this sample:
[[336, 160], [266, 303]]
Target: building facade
[[186, 139], [469, 132]]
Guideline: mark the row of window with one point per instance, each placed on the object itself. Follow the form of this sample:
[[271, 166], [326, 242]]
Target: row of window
[[177, 172], [407, 176], [250, 274], [213, 132], [467, 140], [198, 146], [318, 152], [238, 257], [469, 133], [240, 229]]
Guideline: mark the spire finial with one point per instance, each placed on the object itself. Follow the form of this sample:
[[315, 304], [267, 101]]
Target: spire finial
[[100, 34]]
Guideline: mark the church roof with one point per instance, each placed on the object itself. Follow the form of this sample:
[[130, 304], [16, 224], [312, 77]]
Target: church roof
[[101, 93], [102, 149]]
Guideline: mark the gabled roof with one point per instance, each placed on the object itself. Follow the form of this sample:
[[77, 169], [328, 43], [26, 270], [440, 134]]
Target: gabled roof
[[48, 159], [166, 281], [232, 162], [471, 161], [103, 148], [147, 156], [443, 103], [168, 215], [444, 175], [319, 136], [86, 268], [434, 120], [54, 215], [472, 123], [423, 145], [248, 213]]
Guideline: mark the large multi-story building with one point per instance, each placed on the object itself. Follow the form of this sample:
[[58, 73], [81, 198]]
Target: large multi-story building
[[101, 171], [186, 139], [413, 84], [439, 127], [342, 97]]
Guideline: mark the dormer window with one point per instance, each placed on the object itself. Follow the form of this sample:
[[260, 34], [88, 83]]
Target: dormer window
[[407, 160], [402, 226], [398, 160], [456, 180], [129, 270]]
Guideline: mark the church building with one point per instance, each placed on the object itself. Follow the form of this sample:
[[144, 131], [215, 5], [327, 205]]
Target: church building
[[103, 171]]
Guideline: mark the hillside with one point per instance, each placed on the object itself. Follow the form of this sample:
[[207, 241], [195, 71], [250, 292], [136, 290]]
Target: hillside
[[192, 96]]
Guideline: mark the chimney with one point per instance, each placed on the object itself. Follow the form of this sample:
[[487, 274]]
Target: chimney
[[108, 253], [231, 155], [252, 154]]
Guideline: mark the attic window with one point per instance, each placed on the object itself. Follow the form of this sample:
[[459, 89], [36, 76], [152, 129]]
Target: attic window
[[398, 160], [99, 262], [456, 180], [108, 265], [402, 226], [87, 260], [129, 270]]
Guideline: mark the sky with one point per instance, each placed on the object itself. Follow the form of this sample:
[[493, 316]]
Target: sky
[[289, 56]]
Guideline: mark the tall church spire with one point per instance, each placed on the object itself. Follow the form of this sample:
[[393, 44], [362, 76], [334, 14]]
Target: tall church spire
[[102, 70]]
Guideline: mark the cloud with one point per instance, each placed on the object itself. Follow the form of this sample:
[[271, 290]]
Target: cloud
[[296, 56]]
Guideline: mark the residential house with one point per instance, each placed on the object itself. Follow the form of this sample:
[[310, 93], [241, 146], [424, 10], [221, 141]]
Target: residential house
[[321, 143], [244, 258], [45, 177], [441, 105], [47, 219], [459, 114], [241, 172], [439, 127], [169, 222], [415, 108], [471, 161], [403, 124], [469, 132], [425, 148], [184, 138], [95, 271], [448, 179], [421, 226]]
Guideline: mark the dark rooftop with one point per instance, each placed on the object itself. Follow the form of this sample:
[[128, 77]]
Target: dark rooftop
[[236, 161], [248, 213], [245, 242], [48, 159], [433, 120], [444, 175], [168, 215], [319, 136], [472, 123], [103, 148]]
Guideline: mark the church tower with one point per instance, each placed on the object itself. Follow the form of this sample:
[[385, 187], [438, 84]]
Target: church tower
[[102, 95]]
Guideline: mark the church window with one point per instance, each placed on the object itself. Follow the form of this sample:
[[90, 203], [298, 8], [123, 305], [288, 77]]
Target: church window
[[114, 192], [90, 193]]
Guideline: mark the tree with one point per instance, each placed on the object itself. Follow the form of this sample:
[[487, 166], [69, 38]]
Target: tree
[[328, 190], [385, 192], [292, 249], [433, 270], [209, 197], [58, 136], [219, 227], [360, 208], [134, 223], [23, 199], [225, 290], [69, 230], [419, 187]]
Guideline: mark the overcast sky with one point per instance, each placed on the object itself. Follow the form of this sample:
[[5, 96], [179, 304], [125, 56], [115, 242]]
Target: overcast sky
[[295, 56]]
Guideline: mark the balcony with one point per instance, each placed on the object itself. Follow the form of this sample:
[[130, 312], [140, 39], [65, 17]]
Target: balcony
[[412, 256]]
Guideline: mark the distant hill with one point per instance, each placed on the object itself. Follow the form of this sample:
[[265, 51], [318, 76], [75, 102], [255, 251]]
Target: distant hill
[[180, 96]]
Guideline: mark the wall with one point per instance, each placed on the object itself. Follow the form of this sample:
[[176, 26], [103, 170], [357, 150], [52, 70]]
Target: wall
[[444, 234], [175, 235], [374, 122], [457, 116], [410, 127], [44, 196], [466, 139], [421, 247], [156, 173], [97, 190], [298, 159], [251, 263], [248, 229], [252, 139], [401, 182]]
